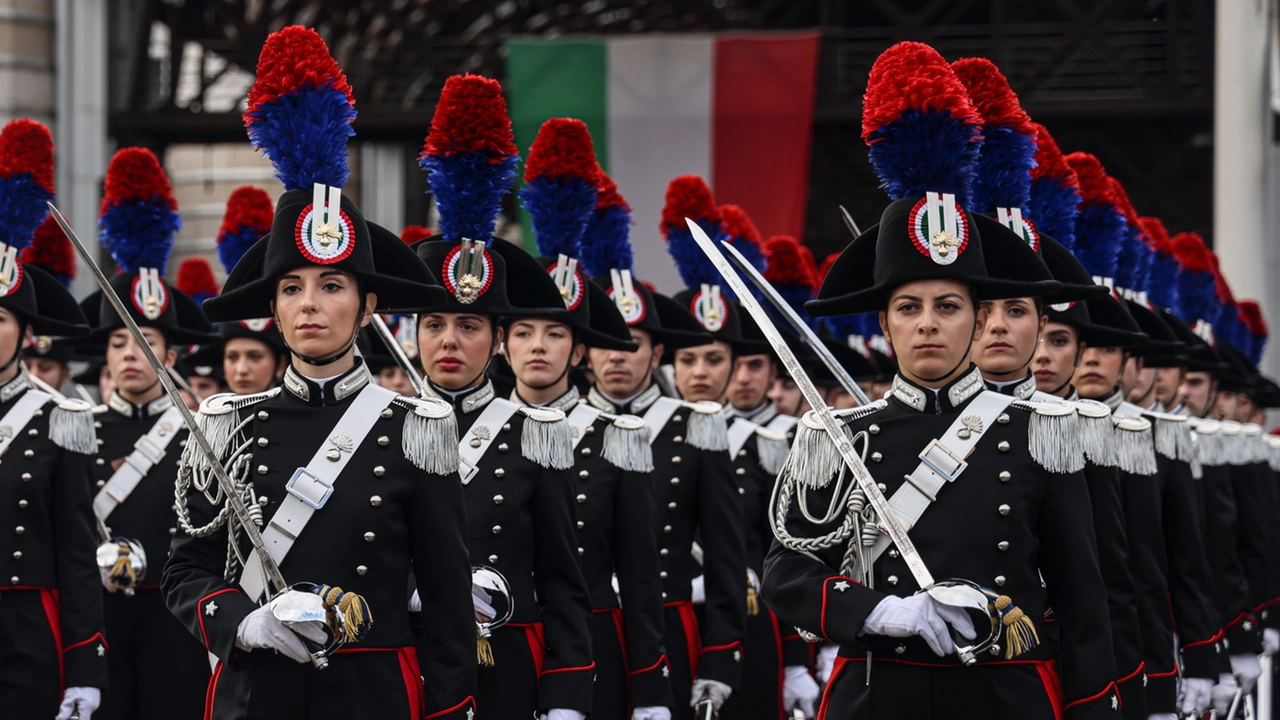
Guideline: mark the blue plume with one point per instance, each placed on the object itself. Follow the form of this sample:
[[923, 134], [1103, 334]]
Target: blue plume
[[1053, 206], [469, 187], [1133, 262], [304, 134], [560, 209], [1004, 170], [925, 151], [139, 233], [22, 209], [606, 244], [232, 246], [1100, 232], [1162, 286]]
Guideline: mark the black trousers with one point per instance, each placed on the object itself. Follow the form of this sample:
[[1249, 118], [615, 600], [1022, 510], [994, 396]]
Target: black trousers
[[912, 692], [156, 669], [683, 643], [610, 696], [759, 697], [30, 683], [509, 689]]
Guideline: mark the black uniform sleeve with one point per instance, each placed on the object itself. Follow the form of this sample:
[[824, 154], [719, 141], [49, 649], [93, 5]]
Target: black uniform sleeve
[[724, 569], [1113, 561], [1147, 564], [1255, 514], [1189, 577], [437, 523], [635, 553], [1231, 596], [1265, 479], [568, 671], [79, 589], [1068, 560]]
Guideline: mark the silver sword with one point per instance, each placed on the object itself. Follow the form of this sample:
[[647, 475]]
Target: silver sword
[[946, 593], [800, 326], [849, 223], [397, 352]]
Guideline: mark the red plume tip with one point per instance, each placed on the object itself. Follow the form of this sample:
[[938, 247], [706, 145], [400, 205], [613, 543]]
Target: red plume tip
[[688, 197], [250, 207], [1157, 235], [991, 95], [1251, 314], [51, 250], [1094, 187], [1122, 201], [562, 149], [1192, 254], [788, 263], [1220, 281], [27, 146], [413, 233], [136, 174], [1049, 159], [195, 277], [470, 116], [293, 58], [912, 76], [607, 194], [738, 225]]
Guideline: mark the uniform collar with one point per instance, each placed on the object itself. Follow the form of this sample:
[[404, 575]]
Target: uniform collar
[[1072, 395], [1022, 389], [139, 412], [1114, 400], [1180, 409], [16, 386], [564, 403], [953, 395], [634, 406], [468, 401], [334, 391], [760, 416]]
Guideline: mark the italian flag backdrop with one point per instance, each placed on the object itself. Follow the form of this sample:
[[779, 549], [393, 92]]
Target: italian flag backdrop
[[736, 109]]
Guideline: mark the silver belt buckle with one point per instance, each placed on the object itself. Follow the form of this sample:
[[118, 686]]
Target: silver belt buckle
[[941, 460], [309, 488], [467, 470]]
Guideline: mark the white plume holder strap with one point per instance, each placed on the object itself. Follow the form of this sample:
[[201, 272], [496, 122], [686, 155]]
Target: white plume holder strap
[[658, 414], [147, 452], [476, 441], [739, 433], [312, 486], [942, 461], [581, 418]]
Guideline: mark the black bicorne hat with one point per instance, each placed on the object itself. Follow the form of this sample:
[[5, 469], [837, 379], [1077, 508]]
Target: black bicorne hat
[[151, 302], [1013, 256], [1163, 348], [666, 321], [1199, 356], [1101, 321], [723, 319], [204, 361], [41, 301], [263, 330]]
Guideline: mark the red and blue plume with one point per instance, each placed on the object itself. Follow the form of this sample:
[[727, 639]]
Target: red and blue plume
[[246, 221], [1100, 226], [51, 251], [923, 131], [560, 182], [26, 180], [793, 273], [1008, 154], [1055, 191], [741, 232], [1133, 266], [1256, 325], [139, 213], [195, 278], [1228, 325], [470, 156], [689, 197], [606, 243], [413, 233], [300, 109], [1162, 287], [1197, 287]]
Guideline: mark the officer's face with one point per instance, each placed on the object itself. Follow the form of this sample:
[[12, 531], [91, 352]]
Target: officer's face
[[455, 348], [394, 379], [620, 375], [753, 375], [1138, 382], [702, 372], [786, 395], [131, 374], [1099, 371], [1246, 410], [540, 352], [1167, 382], [1008, 340], [203, 387], [931, 325], [250, 366], [51, 372], [319, 310], [1197, 391], [1226, 406], [1056, 356]]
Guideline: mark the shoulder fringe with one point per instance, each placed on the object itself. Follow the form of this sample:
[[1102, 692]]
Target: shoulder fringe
[[1052, 436], [1097, 433], [814, 460], [860, 412], [547, 440], [1234, 451], [217, 420], [1273, 451], [626, 444], [707, 429], [771, 450], [71, 426], [1135, 447], [429, 439], [1173, 437], [1210, 448], [1256, 447]]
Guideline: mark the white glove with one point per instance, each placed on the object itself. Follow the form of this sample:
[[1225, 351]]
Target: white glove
[[919, 615], [1194, 695], [826, 662], [651, 712], [698, 590], [261, 629], [562, 714], [481, 601], [1162, 716], [718, 691], [87, 699], [1270, 641], [1224, 693], [415, 602], [799, 687], [1247, 670]]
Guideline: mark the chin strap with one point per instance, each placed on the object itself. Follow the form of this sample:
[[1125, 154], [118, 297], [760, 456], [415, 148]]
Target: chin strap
[[964, 359], [325, 361], [17, 351]]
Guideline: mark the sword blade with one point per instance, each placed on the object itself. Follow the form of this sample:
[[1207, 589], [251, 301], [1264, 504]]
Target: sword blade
[[228, 488], [797, 323], [397, 352], [844, 444], [849, 223]]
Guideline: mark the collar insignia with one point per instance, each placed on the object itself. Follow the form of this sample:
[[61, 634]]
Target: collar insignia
[[938, 228], [569, 280], [477, 399], [1062, 307], [710, 308], [256, 325], [10, 271], [1022, 227], [624, 295], [468, 271], [324, 233], [149, 294]]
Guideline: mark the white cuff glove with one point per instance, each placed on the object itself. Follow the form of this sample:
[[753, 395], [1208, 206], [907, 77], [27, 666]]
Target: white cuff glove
[[481, 601], [84, 699], [563, 714], [798, 686], [1247, 670], [919, 615], [1162, 716], [262, 630], [415, 602], [651, 712], [698, 590], [1194, 695], [826, 662], [1224, 693], [1270, 641], [718, 691]]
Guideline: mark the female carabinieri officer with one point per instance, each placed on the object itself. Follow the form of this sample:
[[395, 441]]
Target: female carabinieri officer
[[355, 486], [514, 458], [1013, 516]]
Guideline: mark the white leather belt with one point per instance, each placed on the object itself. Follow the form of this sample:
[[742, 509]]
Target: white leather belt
[[483, 432], [658, 414], [580, 419], [739, 433], [148, 451]]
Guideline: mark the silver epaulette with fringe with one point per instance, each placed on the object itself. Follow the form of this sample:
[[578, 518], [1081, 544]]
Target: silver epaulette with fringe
[[707, 427], [1097, 433], [771, 450], [547, 441], [814, 461], [430, 436], [626, 443], [1172, 436], [1135, 447], [71, 426], [1254, 446], [1234, 451], [1273, 451], [218, 420], [1052, 433]]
